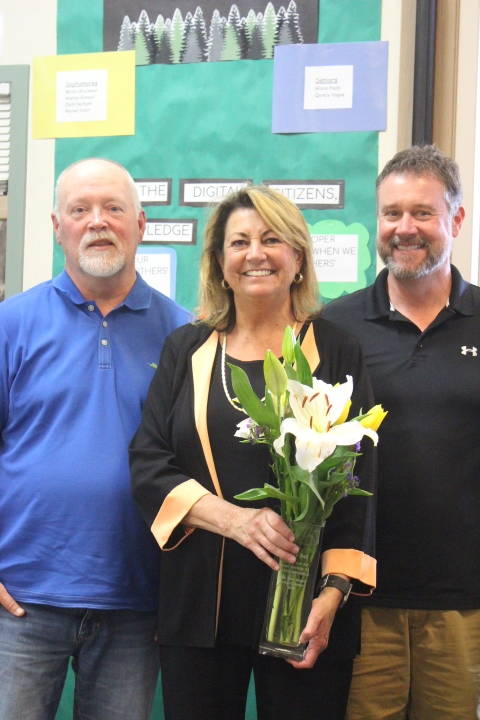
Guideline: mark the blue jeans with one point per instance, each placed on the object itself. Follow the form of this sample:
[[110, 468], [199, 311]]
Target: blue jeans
[[114, 657]]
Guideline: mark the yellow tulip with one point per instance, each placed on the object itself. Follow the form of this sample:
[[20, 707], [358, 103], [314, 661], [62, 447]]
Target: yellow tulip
[[374, 418]]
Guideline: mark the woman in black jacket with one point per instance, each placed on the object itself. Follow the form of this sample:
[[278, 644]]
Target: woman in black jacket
[[257, 276]]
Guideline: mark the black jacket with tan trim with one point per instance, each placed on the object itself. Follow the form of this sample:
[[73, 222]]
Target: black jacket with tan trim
[[173, 468]]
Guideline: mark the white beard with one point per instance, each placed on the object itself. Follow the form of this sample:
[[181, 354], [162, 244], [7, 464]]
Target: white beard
[[105, 263]]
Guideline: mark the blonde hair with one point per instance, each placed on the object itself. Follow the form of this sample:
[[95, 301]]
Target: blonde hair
[[216, 305]]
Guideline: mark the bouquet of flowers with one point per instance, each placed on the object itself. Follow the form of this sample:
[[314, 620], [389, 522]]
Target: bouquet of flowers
[[313, 447]]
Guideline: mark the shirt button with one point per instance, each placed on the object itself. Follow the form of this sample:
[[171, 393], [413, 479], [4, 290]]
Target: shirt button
[[104, 342], [420, 345], [91, 307], [105, 323]]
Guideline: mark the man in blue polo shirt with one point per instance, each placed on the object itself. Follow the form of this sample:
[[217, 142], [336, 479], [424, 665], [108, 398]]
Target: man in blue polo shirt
[[78, 568]]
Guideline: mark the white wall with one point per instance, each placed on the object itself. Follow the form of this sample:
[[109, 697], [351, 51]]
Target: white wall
[[28, 29]]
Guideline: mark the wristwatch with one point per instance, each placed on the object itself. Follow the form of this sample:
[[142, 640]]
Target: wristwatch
[[345, 586]]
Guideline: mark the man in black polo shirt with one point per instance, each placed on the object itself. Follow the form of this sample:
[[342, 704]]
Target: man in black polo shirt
[[419, 325]]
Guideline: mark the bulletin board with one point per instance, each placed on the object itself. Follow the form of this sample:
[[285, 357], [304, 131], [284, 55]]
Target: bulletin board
[[202, 120]]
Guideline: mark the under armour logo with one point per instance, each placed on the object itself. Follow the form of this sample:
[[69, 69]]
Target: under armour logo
[[473, 351]]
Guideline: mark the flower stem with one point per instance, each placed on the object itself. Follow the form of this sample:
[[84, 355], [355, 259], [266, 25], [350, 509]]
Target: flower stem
[[291, 589]]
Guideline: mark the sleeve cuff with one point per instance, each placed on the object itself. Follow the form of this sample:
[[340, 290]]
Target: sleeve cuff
[[174, 508], [361, 568]]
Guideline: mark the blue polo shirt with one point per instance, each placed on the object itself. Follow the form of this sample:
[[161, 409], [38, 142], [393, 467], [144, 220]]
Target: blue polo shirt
[[72, 387]]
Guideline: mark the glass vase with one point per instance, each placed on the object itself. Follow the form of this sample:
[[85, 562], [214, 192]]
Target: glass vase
[[290, 596]]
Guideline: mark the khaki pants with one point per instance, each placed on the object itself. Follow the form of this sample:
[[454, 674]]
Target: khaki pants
[[417, 664]]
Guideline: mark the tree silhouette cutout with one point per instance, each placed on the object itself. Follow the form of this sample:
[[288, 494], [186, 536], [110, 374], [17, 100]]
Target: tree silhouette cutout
[[144, 50], [126, 40], [176, 36], [216, 36], [186, 40]]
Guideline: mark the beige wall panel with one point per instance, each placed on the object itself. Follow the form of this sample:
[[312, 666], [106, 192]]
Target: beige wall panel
[[466, 134], [28, 29], [456, 115]]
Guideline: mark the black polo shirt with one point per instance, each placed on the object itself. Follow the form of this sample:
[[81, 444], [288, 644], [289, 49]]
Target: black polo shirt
[[428, 526]]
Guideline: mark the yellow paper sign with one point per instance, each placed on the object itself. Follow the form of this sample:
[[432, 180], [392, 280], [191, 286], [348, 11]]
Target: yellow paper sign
[[84, 95]]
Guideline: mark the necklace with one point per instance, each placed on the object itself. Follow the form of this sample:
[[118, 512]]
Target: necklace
[[224, 378], [223, 363]]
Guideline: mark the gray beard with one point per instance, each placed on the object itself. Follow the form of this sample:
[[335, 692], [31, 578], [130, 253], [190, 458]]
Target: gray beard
[[101, 266], [429, 265]]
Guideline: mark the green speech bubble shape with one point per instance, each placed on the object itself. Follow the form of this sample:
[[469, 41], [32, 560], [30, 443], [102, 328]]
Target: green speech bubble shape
[[330, 290]]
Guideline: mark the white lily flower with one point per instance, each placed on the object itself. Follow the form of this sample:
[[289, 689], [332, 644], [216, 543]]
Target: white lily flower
[[319, 406], [315, 410]]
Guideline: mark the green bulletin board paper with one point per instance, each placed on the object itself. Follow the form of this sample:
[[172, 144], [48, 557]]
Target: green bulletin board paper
[[178, 138], [349, 20], [79, 26]]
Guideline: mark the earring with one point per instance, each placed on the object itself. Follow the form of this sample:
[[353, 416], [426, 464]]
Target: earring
[[298, 278], [225, 284]]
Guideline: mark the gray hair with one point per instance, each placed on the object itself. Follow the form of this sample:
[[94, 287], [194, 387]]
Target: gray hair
[[128, 177], [427, 160]]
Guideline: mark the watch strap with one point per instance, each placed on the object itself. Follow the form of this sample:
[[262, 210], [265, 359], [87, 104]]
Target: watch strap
[[331, 580]]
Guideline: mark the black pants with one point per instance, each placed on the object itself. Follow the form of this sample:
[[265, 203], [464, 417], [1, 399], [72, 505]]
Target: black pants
[[212, 684]]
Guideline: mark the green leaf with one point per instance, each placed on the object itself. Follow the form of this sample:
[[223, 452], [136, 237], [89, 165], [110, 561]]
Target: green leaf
[[291, 373], [268, 491], [274, 492], [275, 375], [304, 374], [310, 483], [296, 471], [344, 451], [339, 456], [288, 345], [339, 476], [323, 484], [358, 491], [313, 507], [250, 402], [269, 401], [252, 494]]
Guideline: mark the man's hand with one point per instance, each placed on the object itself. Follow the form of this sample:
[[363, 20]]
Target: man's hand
[[7, 601], [317, 629]]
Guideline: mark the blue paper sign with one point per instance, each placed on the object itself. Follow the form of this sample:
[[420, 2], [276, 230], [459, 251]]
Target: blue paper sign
[[330, 87], [158, 267]]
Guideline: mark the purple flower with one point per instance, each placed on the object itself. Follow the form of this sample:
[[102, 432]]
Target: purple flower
[[249, 430]]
